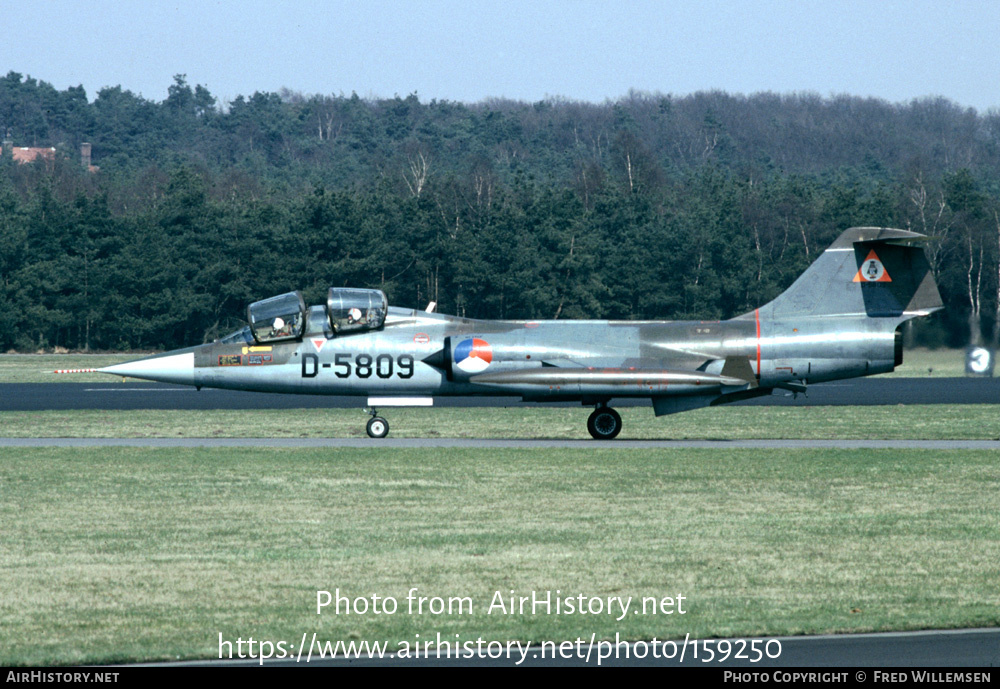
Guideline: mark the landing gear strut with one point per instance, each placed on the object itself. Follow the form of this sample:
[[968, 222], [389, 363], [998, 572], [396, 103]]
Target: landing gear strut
[[377, 426], [605, 423]]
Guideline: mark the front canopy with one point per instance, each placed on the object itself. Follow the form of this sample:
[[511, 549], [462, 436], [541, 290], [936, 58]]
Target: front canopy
[[278, 318]]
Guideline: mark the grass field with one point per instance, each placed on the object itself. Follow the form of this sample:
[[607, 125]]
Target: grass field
[[114, 554], [38, 368], [934, 363], [923, 422]]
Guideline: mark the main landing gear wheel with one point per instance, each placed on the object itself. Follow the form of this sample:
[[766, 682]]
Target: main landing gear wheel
[[377, 427], [604, 424]]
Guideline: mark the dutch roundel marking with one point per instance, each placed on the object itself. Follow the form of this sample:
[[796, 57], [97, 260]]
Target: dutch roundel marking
[[872, 270], [473, 355]]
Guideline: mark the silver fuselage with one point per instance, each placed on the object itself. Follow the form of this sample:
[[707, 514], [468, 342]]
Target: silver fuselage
[[391, 361]]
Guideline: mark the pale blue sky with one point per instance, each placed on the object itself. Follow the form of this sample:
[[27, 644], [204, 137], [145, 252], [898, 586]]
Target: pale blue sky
[[469, 50]]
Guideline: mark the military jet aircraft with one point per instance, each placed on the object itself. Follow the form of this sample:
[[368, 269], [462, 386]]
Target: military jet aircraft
[[840, 319]]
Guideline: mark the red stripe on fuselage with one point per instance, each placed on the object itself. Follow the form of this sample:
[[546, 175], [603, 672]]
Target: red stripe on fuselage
[[756, 317]]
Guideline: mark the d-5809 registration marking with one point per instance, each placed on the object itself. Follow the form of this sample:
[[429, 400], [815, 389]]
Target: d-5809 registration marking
[[362, 366]]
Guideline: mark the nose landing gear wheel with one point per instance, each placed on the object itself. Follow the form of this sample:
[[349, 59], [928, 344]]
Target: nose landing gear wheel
[[377, 427], [604, 424]]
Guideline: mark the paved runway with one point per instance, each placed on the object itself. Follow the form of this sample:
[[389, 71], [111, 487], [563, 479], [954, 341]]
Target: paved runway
[[962, 648], [140, 395]]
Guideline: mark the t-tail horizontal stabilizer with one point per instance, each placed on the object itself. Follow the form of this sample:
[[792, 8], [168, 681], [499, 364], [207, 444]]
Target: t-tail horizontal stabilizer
[[878, 272]]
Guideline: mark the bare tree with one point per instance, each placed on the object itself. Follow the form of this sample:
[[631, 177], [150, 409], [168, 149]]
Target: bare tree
[[996, 321], [934, 218], [483, 182], [415, 175], [974, 275]]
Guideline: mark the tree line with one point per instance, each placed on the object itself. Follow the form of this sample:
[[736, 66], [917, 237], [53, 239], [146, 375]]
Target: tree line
[[652, 206]]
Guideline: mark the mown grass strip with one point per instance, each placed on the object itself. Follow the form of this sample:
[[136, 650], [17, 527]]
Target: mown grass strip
[[921, 422]]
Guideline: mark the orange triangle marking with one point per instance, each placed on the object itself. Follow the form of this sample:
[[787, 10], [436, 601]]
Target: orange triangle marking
[[318, 343], [872, 270]]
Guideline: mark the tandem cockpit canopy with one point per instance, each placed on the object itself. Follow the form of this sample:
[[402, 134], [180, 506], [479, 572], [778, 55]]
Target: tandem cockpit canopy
[[352, 310], [278, 319], [348, 310]]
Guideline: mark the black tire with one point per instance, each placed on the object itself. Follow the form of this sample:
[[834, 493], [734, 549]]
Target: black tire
[[377, 427], [604, 424]]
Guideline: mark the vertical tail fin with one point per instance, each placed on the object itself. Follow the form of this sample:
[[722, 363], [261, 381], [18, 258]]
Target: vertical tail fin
[[868, 271]]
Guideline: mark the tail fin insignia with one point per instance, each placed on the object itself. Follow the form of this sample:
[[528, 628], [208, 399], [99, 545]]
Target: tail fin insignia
[[878, 272], [872, 270]]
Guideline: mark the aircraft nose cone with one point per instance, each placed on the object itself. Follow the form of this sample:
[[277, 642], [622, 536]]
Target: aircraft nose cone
[[163, 368]]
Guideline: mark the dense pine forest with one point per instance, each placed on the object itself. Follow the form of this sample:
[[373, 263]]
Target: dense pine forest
[[653, 206]]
